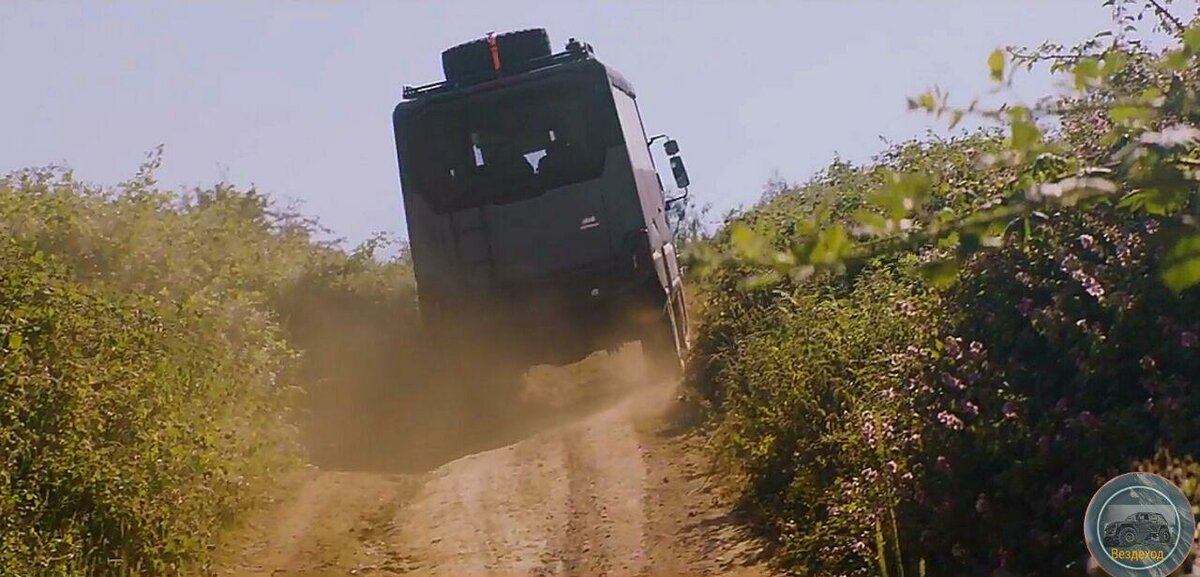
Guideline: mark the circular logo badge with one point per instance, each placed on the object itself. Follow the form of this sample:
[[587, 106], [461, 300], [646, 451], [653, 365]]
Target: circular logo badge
[[1139, 524]]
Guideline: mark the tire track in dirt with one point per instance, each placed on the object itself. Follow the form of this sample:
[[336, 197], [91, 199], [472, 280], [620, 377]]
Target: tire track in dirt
[[320, 530], [606, 528], [608, 495], [576, 501], [482, 513]]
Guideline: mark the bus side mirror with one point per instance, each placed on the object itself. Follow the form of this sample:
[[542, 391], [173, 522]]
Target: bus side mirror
[[680, 172], [671, 147]]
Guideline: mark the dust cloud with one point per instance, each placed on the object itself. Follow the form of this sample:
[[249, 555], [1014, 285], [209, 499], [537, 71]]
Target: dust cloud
[[432, 464], [380, 399]]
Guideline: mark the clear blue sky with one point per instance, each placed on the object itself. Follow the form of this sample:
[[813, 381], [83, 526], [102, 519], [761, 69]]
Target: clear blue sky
[[296, 97]]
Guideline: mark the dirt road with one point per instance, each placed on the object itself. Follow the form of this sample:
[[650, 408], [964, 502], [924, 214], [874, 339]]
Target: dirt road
[[617, 492]]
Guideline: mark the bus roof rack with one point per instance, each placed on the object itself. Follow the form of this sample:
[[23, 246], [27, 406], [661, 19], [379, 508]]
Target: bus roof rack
[[575, 52]]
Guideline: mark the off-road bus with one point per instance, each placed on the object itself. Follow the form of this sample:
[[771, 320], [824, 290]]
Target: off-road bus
[[536, 217]]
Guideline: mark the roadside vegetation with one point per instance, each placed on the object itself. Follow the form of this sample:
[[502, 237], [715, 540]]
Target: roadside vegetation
[[924, 364], [928, 363], [152, 350]]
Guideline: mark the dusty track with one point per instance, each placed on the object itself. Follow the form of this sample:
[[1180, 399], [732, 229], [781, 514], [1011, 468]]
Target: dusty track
[[614, 493]]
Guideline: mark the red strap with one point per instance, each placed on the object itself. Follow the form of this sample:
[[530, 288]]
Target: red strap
[[495, 50]]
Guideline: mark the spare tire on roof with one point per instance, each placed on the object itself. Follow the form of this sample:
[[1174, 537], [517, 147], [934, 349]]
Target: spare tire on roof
[[518, 48], [472, 61]]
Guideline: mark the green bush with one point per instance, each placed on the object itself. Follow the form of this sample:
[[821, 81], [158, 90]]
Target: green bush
[[882, 422], [126, 442], [152, 345], [813, 408], [930, 363]]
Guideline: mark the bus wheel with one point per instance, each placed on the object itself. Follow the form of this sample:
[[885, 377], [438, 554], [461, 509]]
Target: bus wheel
[[660, 349]]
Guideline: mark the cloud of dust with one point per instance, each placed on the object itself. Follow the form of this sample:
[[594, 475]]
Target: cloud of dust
[[381, 398]]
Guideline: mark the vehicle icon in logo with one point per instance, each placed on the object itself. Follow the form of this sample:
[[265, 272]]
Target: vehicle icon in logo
[[1135, 526], [1142, 528]]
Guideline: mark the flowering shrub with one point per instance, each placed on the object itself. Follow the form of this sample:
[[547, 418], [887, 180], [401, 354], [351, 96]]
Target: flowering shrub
[[929, 364], [826, 444], [879, 420]]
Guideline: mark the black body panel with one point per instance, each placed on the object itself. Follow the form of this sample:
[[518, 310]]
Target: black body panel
[[549, 263]]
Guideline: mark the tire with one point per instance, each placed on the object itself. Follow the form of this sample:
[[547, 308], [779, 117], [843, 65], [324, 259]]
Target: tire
[[660, 349], [1127, 536], [518, 48], [469, 61], [683, 324], [472, 61]]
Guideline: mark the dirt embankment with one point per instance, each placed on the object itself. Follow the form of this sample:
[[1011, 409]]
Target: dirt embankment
[[616, 491]]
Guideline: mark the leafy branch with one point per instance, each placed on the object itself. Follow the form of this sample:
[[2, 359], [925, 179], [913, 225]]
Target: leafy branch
[[1150, 165]]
